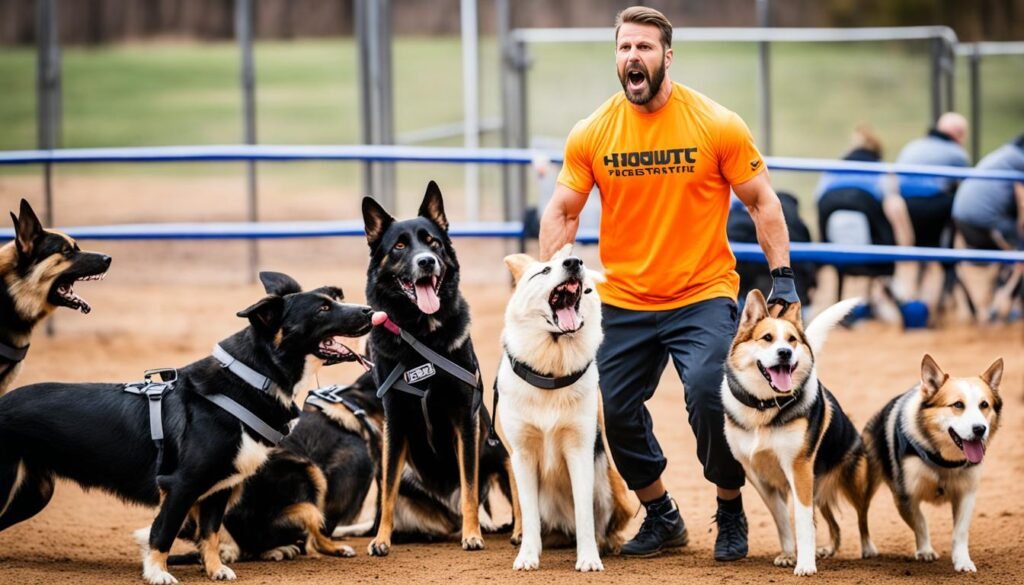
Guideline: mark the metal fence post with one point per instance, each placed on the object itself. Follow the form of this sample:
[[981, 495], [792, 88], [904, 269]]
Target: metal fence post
[[937, 50], [974, 68], [764, 78], [243, 31], [48, 102], [373, 31]]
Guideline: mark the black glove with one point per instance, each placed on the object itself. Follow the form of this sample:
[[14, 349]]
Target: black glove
[[783, 289]]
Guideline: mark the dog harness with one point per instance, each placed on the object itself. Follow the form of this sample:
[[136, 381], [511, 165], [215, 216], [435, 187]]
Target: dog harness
[[12, 355], [403, 378], [906, 446], [533, 378], [322, 398], [155, 390]]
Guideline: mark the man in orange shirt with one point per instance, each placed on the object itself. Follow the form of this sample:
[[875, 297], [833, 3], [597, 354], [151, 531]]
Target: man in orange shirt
[[664, 158]]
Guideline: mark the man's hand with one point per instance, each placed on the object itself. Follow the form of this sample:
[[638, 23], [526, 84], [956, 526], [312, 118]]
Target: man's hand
[[783, 289]]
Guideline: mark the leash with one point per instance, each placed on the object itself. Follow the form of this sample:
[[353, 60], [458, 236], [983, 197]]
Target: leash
[[322, 398], [533, 378], [402, 378]]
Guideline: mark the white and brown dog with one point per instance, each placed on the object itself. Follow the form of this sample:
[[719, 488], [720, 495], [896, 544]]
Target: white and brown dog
[[789, 432], [550, 412], [928, 445]]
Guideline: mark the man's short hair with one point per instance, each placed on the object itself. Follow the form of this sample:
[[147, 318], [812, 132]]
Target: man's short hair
[[648, 16]]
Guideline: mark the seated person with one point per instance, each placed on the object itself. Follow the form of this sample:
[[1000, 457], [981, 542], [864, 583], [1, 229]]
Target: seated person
[[929, 200], [740, 228], [989, 215]]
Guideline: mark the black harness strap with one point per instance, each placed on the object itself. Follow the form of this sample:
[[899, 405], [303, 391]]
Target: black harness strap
[[907, 446], [533, 378], [12, 354]]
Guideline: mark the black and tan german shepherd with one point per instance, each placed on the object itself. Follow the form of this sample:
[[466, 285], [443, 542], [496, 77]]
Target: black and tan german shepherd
[[99, 435], [38, 270], [413, 276]]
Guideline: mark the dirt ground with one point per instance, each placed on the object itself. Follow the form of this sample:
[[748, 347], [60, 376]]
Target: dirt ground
[[165, 304]]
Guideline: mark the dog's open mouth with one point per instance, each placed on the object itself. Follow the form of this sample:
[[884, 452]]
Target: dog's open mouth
[[779, 377], [974, 449], [333, 351], [424, 292], [565, 305], [63, 293]]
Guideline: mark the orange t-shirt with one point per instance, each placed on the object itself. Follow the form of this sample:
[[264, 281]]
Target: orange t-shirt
[[665, 183]]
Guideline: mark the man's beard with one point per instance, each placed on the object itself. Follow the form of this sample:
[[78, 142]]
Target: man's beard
[[653, 83]]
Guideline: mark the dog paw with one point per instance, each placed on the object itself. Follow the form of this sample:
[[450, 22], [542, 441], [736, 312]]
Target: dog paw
[[378, 548], [926, 554], [516, 539], [825, 552], [785, 560], [229, 552], [868, 550], [589, 565], [473, 543], [526, 562], [805, 570], [345, 551], [223, 574], [964, 565], [155, 576], [281, 553]]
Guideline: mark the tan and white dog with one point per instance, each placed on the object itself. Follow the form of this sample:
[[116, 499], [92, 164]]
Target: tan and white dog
[[928, 445], [550, 412], [789, 432]]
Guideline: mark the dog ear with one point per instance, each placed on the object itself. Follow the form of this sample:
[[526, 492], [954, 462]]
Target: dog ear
[[27, 229], [375, 220], [993, 375], [278, 283], [793, 314], [432, 206], [265, 315], [754, 310], [517, 264], [932, 376]]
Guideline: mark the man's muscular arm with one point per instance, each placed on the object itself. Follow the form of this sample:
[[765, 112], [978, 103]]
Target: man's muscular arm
[[561, 220]]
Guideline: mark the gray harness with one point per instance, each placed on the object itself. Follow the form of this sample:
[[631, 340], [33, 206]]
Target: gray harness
[[155, 390], [323, 398], [402, 378]]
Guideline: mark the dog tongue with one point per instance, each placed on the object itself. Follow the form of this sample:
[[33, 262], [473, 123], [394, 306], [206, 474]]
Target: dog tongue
[[782, 378], [568, 318], [426, 298], [974, 450]]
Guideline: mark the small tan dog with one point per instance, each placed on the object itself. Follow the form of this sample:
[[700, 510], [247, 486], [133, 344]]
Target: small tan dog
[[788, 431], [928, 445], [550, 412]]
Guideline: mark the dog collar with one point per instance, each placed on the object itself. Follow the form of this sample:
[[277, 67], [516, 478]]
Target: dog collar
[[747, 399], [907, 446], [543, 381], [247, 374], [12, 354]]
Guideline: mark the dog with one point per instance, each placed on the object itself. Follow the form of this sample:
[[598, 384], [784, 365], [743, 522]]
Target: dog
[[789, 432], [219, 417], [426, 369], [928, 445], [549, 410], [38, 270]]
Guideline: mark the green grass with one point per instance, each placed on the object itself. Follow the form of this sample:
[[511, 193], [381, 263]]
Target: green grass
[[186, 93]]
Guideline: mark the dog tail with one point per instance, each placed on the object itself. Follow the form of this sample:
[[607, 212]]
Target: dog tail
[[817, 331]]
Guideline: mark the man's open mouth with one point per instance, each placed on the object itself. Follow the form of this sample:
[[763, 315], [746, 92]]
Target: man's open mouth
[[565, 305], [333, 351], [63, 293], [636, 79], [974, 449], [424, 292], [779, 377]]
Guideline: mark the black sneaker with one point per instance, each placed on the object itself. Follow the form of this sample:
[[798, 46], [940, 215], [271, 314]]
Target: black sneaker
[[657, 533], [731, 543]]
